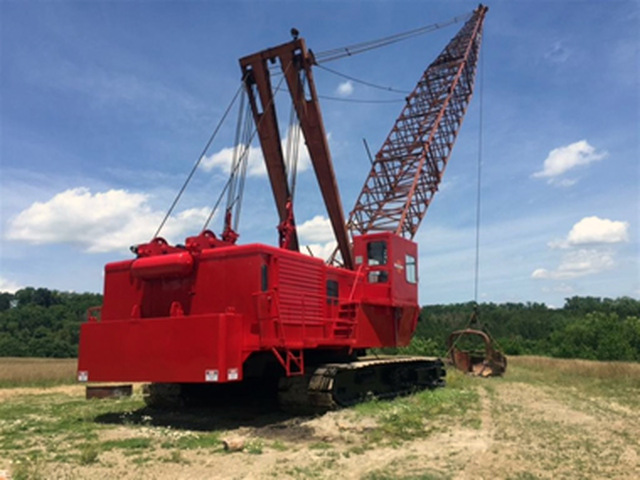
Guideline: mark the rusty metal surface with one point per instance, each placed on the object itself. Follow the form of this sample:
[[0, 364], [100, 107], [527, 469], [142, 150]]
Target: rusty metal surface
[[487, 363], [295, 62], [408, 168], [108, 391]]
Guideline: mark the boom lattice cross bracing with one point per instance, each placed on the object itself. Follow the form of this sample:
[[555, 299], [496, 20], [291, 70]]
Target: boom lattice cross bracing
[[408, 168]]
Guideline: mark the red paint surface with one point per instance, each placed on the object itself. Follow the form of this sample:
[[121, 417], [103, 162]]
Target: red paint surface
[[225, 308]]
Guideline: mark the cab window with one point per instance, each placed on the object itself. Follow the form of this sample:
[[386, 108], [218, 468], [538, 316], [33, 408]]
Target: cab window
[[332, 292], [332, 288], [411, 273], [264, 278], [378, 276], [377, 253]]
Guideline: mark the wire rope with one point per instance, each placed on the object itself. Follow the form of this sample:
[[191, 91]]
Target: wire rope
[[249, 140], [293, 149], [197, 164], [357, 48], [360, 100], [363, 82], [237, 154], [321, 57], [479, 182], [474, 317], [243, 172]]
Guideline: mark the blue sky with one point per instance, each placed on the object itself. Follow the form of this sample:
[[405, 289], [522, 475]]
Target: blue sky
[[105, 106]]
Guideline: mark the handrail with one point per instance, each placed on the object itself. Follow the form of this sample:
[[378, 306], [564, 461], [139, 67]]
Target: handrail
[[303, 319], [355, 284]]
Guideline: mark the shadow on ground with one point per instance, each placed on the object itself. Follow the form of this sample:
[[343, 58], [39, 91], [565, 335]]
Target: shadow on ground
[[243, 405]]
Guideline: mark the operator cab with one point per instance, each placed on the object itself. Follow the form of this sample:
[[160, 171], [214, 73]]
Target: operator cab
[[390, 266]]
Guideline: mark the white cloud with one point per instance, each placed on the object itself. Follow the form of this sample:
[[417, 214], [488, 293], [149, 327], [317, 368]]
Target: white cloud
[[594, 230], [316, 230], [320, 250], [8, 286], [561, 160], [345, 89], [577, 264], [222, 159], [100, 222], [317, 235]]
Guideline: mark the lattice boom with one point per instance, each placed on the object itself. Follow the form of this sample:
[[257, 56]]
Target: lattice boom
[[408, 168]]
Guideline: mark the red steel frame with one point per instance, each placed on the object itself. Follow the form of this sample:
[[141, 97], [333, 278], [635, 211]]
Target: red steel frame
[[295, 62], [408, 168]]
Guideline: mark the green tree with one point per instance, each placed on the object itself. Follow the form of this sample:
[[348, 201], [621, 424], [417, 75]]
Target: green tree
[[5, 301]]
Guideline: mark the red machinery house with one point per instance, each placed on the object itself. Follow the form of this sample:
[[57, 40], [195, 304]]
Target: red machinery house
[[197, 314]]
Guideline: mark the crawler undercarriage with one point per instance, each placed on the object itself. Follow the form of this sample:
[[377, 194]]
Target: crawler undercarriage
[[328, 386]]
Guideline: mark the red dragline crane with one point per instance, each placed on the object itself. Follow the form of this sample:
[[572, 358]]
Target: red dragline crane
[[192, 318]]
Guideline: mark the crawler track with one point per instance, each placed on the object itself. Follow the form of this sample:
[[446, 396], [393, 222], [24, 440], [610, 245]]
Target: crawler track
[[336, 385], [328, 386]]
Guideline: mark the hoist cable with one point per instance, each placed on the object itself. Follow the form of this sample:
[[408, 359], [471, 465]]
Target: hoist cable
[[215, 206], [197, 164], [474, 317], [478, 194], [321, 57], [245, 163], [363, 82], [341, 52], [293, 148], [248, 143], [236, 152]]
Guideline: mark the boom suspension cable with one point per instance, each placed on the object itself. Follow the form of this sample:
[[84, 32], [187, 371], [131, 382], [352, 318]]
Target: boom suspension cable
[[197, 164], [241, 150], [248, 144], [293, 149], [245, 163], [360, 100], [350, 50], [363, 82], [237, 154]]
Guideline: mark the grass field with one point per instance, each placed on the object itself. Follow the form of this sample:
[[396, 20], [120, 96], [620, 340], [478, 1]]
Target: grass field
[[546, 418], [27, 372]]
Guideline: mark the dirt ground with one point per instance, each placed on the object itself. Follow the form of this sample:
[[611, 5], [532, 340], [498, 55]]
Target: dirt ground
[[519, 430]]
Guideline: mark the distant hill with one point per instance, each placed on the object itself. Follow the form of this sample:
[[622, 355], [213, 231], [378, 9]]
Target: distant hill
[[46, 323]]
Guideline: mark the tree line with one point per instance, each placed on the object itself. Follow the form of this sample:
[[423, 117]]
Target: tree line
[[42, 323], [591, 328], [46, 323]]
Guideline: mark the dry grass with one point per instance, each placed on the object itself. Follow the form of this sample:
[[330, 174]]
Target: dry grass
[[617, 381], [546, 418], [584, 368], [36, 371]]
